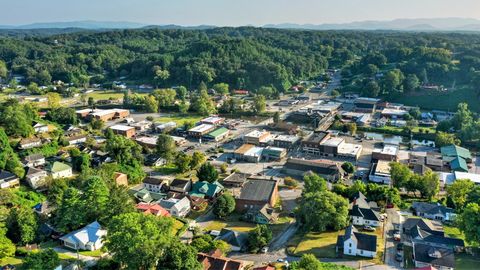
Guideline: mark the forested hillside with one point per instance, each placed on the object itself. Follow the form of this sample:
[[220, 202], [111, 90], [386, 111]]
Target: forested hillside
[[375, 63]]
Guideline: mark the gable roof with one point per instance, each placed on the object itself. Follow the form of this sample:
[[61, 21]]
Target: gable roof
[[434, 255], [424, 224], [34, 157], [431, 208], [366, 213], [7, 176], [90, 233], [435, 239], [204, 188], [236, 178], [258, 190], [455, 151], [179, 185], [234, 238], [364, 241], [32, 171], [59, 167], [459, 164], [154, 209], [217, 262]]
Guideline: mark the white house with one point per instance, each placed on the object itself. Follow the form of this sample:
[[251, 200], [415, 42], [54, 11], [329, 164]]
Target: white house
[[87, 238], [36, 178], [364, 213], [34, 160], [176, 207], [60, 170], [40, 128], [357, 244]]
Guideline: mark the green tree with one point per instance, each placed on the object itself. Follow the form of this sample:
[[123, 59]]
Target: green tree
[[120, 202], [411, 83], [221, 88], [33, 89], [352, 128], [90, 101], [266, 91], [323, 210], [97, 194], [429, 185], [458, 191], [62, 115], [307, 262], [276, 117], [469, 223], [15, 121], [202, 103], [53, 100], [313, 183], [198, 158], [372, 89], [3, 70], [70, 214], [183, 161], [207, 172], [46, 259], [348, 167], [444, 139], [151, 104], [224, 206], [165, 147], [179, 256], [8, 157], [22, 225], [259, 104], [400, 174], [203, 243], [181, 92], [259, 238], [7, 248], [149, 234], [165, 97]]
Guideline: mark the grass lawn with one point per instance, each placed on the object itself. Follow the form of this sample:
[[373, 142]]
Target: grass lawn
[[49, 244], [102, 95], [231, 222], [177, 225], [167, 169], [453, 232], [321, 245], [443, 101], [180, 119], [95, 253], [465, 261], [15, 261]]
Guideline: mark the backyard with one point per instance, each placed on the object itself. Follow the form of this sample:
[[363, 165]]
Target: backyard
[[322, 245]]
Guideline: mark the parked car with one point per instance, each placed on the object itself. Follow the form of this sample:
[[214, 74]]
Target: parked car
[[398, 257], [396, 236], [400, 246], [264, 249], [368, 228], [390, 205]]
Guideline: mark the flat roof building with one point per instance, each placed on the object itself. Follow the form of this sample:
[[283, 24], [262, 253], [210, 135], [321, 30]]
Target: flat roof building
[[257, 137], [213, 120], [123, 130], [389, 152], [249, 153], [328, 169], [380, 172], [200, 130]]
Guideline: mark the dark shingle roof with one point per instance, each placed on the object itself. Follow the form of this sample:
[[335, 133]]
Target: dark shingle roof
[[426, 225], [366, 241], [366, 213], [431, 208], [434, 255], [179, 185], [7, 176], [236, 178], [258, 190]]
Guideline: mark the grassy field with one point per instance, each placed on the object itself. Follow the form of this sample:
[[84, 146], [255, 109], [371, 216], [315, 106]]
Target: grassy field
[[440, 101], [321, 245], [17, 262], [453, 232], [102, 95], [180, 119], [95, 253], [231, 224], [465, 261]]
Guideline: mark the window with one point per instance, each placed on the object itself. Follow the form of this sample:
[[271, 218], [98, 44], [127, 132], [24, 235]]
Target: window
[[350, 245], [361, 252], [350, 251]]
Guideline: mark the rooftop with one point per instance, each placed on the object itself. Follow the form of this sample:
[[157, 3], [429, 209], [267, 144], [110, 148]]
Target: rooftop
[[333, 142], [383, 167], [257, 133], [388, 149], [287, 138], [121, 127], [218, 132], [202, 128], [212, 120], [316, 137], [258, 190]]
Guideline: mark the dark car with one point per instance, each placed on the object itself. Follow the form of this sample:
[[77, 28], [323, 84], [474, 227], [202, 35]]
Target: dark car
[[368, 228], [398, 257], [400, 246]]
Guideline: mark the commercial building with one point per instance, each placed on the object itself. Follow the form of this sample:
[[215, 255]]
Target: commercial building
[[388, 152], [200, 130], [218, 134], [257, 137], [147, 141], [213, 120], [165, 127], [104, 115], [286, 141], [322, 144], [123, 130], [274, 153], [366, 105], [380, 172], [330, 170], [393, 113], [249, 153], [311, 144]]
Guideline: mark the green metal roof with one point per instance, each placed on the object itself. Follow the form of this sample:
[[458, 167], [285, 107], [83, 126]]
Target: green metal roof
[[456, 151], [59, 166], [459, 164], [218, 132], [209, 189]]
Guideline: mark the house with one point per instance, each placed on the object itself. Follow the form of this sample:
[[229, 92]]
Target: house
[[362, 213], [456, 157], [123, 130], [418, 235], [153, 160], [60, 170], [380, 172], [154, 184], [176, 207], [263, 215], [144, 195], [36, 177], [330, 170], [255, 193], [215, 261], [8, 180], [257, 137], [367, 105], [433, 211], [206, 190], [236, 240], [430, 226], [180, 186], [76, 139], [354, 243], [147, 141], [40, 128], [235, 179], [120, 179], [152, 209], [425, 255], [34, 160], [88, 238], [30, 143]]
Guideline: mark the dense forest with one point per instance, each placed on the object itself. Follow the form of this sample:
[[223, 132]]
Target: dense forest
[[374, 63]]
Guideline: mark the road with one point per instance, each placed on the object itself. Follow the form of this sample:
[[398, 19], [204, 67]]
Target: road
[[393, 221]]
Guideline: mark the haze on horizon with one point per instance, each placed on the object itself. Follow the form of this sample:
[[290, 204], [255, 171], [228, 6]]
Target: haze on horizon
[[232, 12]]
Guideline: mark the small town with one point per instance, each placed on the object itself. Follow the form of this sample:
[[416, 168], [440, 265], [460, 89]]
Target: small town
[[361, 159]]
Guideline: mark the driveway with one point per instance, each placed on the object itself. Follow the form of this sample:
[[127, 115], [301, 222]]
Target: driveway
[[89, 261]]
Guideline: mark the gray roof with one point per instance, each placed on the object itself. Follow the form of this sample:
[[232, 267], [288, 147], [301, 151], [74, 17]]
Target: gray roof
[[424, 224], [234, 238], [366, 213], [237, 178], [34, 157], [258, 190], [364, 241], [427, 237], [32, 171], [431, 208], [434, 255]]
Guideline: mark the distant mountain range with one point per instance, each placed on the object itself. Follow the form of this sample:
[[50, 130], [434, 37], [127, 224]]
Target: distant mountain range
[[441, 24]]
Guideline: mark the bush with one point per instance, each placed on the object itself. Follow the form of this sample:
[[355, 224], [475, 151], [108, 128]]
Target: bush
[[290, 182]]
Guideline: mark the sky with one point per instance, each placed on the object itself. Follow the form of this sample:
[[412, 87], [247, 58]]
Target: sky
[[231, 12]]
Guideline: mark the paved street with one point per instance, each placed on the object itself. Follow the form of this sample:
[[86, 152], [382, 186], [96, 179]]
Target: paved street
[[393, 221]]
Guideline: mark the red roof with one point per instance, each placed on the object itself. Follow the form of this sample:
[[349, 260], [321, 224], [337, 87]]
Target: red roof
[[154, 209], [240, 92]]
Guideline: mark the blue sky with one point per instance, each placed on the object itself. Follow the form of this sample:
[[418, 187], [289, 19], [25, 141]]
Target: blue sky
[[231, 12]]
